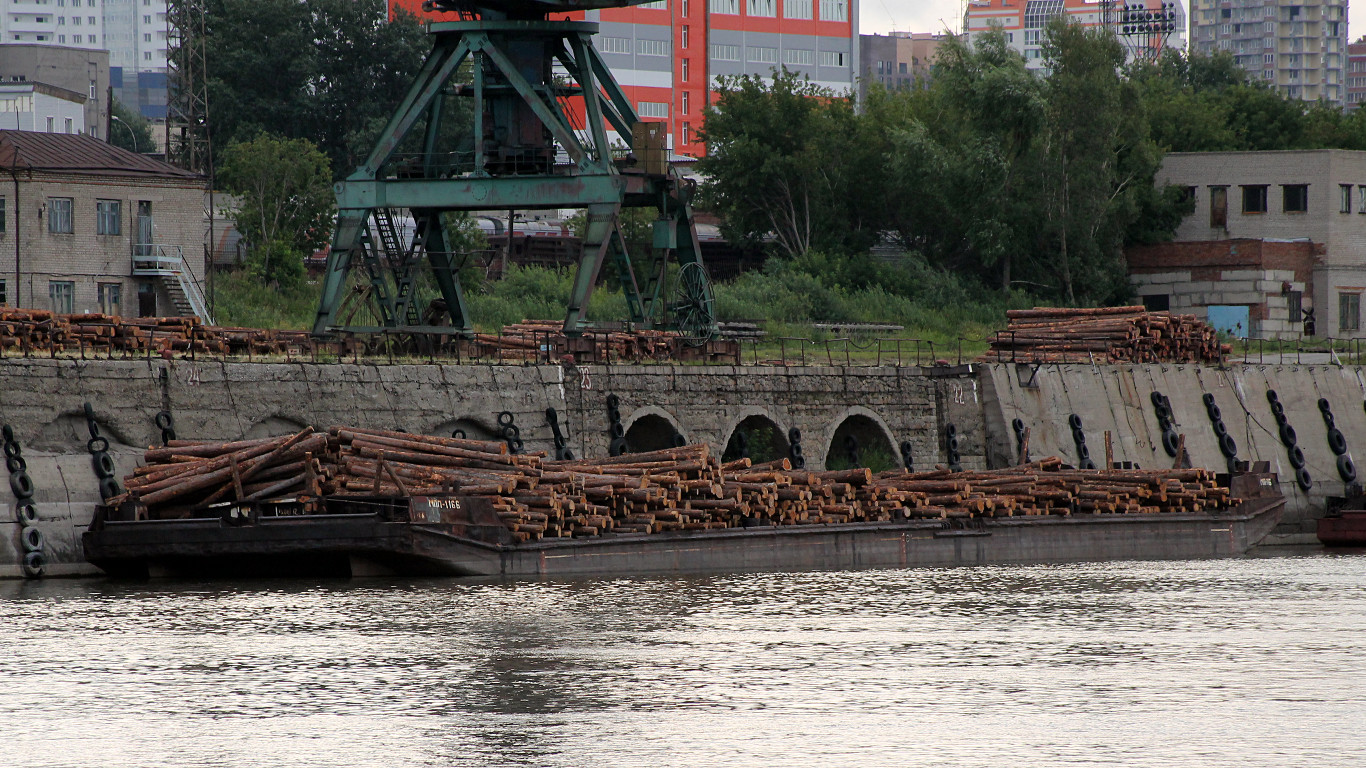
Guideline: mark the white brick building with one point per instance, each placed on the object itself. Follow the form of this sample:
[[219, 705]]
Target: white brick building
[[88, 227], [1290, 229]]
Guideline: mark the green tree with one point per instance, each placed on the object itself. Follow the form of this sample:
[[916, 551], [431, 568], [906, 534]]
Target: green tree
[[330, 71], [130, 130], [286, 206], [783, 161]]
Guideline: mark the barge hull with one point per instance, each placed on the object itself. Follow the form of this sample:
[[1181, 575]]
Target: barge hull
[[367, 545]]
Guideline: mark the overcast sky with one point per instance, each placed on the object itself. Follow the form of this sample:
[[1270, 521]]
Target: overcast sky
[[882, 16]]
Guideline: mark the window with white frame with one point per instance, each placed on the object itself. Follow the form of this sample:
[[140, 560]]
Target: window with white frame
[[613, 44], [652, 47], [759, 54], [724, 6], [799, 57], [725, 52], [59, 216], [832, 58], [63, 296], [657, 5], [834, 10], [763, 7], [108, 218], [797, 9], [652, 109]]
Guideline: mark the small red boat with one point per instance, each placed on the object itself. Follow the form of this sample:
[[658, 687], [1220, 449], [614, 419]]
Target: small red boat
[[1346, 528]]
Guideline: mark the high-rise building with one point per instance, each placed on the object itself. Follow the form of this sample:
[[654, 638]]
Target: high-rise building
[[1356, 74], [135, 34], [898, 61], [73, 23], [1146, 27], [1297, 46], [133, 31], [668, 54]]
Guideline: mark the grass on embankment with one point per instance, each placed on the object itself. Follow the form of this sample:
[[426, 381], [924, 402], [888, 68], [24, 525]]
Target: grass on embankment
[[786, 298]]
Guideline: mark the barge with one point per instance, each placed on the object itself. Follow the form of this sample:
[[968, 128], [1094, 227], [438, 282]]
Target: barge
[[458, 535]]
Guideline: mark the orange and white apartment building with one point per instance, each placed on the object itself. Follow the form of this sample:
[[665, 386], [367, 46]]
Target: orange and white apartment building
[[1023, 22], [666, 54]]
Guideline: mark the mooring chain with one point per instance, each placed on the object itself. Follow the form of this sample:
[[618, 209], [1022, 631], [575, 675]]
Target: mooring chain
[[25, 512]]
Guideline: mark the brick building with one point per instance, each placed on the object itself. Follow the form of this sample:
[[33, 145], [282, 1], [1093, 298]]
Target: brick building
[[88, 227], [1273, 234], [899, 60]]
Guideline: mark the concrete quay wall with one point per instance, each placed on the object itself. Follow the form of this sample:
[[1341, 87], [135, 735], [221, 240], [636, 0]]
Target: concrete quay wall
[[876, 408]]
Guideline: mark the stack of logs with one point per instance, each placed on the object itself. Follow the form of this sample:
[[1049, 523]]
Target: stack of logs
[[677, 489], [546, 340], [41, 331], [1106, 334]]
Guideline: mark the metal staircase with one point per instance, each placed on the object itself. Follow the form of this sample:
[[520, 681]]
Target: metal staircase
[[167, 264]]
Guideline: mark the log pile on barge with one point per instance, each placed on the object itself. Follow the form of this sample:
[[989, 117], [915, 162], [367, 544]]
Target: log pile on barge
[[677, 489], [1104, 334]]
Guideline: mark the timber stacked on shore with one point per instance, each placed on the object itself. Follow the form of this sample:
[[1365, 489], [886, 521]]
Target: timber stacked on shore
[[1104, 335], [677, 489], [37, 331]]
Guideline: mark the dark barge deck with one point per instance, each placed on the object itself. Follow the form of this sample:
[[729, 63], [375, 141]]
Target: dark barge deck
[[461, 536]]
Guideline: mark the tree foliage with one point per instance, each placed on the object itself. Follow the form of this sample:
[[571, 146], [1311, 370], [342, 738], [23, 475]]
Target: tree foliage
[[130, 130], [790, 164], [286, 206], [994, 171], [330, 71]]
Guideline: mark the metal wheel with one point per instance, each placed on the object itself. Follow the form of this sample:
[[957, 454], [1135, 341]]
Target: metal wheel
[[692, 305]]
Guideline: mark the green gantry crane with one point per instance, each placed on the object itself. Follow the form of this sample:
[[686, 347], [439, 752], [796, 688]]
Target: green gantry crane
[[540, 101]]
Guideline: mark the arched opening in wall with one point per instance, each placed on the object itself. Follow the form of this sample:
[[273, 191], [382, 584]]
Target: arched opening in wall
[[759, 438], [860, 441], [470, 429], [652, 432], [272, 426]]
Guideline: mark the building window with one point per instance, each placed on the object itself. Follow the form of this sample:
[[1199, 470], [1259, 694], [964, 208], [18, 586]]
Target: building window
[[725, 52], [832, 58], [652, 47], [687, 133], [834, 10], [1295, 198], [758, 54], [1254, 198], [68, 125], [111, 298], [614, 44], [657, 5], [684, 106], [2, 214], [797, 9], [683, 65], [1345, 191], [59, 216], [4, 294], [51, 124], [763, 7], [1294, 306], [725, 6], [683, 36], [1349, 312], [63, 295], [1218, 207], [108, 218], [799, 56], [653, 109]]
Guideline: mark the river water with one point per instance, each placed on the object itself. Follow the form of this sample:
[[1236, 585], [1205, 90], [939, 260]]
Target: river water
[[1248, 662]]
